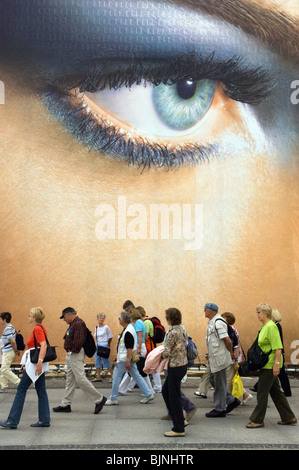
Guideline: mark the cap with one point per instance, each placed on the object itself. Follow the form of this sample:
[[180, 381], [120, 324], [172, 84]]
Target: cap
[[68, 310], [212, 306]]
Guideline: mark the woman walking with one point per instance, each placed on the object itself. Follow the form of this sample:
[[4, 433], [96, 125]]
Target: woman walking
[[270, 342], [36, 317]]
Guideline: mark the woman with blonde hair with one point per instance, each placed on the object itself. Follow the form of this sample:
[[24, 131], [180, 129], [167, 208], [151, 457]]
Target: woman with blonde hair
[[36, 317], [270, 343]]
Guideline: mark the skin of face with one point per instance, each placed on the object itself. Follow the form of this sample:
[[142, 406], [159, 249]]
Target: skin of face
[[52, 185]]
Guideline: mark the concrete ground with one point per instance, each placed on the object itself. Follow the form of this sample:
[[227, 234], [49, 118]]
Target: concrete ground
[[132, 425]]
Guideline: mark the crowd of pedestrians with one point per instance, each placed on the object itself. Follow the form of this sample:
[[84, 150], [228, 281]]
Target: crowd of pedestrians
[[141, 355]]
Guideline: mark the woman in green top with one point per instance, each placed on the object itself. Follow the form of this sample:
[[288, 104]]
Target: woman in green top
[[269, 340]]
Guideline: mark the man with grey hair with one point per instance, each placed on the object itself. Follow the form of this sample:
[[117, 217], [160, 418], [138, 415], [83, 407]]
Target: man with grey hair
[[74, 340], [220, 355]]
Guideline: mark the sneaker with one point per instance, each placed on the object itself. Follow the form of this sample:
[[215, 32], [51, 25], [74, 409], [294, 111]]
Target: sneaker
[[111, 402], [190, 415], [233, 405], [200, 395], [147, 399]]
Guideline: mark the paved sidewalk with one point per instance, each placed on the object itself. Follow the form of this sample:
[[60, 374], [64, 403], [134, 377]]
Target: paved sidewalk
[[132, 425]]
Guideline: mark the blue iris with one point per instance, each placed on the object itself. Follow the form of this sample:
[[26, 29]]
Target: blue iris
[[182, 105]]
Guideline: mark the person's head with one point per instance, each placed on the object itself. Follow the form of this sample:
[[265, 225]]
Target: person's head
[[128, 306], [5, 316], [264, 312], [68, 314], [210, 310], [37, 314], [135, 315], [101, 318], [276, 315], [124, 318], [229, 317], [142, 311], [173, 316]]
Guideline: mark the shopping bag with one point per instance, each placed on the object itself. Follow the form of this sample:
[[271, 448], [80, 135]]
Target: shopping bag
[[237, 384]]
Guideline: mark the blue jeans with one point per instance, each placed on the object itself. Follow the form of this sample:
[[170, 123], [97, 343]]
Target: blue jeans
[[43, 402], [118, 373]]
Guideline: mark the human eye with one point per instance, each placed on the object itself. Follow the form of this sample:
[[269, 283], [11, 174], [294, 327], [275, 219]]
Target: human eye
[[156, 114]]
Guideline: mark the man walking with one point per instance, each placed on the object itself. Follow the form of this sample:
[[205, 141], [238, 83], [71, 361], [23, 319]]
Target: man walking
[[220, 355], [75, 375]]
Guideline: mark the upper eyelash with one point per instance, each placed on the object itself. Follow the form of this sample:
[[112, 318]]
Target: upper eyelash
[[241, 82]]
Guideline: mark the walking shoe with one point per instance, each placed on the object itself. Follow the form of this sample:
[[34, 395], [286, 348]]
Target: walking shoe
[[190, 415], [8, 425], [200, 395], [99, 406], [233, 405], [111, 402], [147, 399], [174, 434], [247, 399], [40, 424], [62, 409], [216, 414], [288, 421], [252, 425]]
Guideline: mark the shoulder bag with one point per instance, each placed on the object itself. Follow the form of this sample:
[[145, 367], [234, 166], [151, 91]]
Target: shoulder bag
[[50, 353]]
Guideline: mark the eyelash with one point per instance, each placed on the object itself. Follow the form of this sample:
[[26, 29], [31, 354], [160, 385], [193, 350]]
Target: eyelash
[[239, 83]]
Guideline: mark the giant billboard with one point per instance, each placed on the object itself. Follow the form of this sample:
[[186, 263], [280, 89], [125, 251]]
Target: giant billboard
[[149, 151]]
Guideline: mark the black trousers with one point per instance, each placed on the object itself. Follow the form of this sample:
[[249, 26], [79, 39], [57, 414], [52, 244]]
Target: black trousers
[[171, 392]]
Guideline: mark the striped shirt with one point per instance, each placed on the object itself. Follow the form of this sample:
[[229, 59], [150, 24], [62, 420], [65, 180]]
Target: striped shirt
[[8, 333]]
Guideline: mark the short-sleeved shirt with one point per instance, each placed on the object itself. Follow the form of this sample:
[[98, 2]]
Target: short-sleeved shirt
[[140, 326], [269, 338], [149, 326], [39, 333], [102, 334], [8, 333]]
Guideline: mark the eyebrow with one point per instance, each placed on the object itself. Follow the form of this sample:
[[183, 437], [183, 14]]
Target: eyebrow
[[277, 30]]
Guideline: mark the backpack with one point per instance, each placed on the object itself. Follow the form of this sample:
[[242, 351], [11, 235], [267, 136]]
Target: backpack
[[192, 352], [256, 358], [20, 341], [159, 331], [231, 333], [89, 345]]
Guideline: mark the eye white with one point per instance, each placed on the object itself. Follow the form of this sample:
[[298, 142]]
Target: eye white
[[134, 106]]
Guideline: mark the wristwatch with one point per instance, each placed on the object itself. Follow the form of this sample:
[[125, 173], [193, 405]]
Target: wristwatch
[[41, 360]]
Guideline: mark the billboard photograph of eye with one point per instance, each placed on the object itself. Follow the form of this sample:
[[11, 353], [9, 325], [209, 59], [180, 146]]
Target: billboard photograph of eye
[[150, 154]]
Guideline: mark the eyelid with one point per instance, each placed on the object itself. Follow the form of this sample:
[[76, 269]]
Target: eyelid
[[242, 83]]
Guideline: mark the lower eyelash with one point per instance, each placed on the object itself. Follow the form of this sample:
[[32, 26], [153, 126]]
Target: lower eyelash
[[109, 141]]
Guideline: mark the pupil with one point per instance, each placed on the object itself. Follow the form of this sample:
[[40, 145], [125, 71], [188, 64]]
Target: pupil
[[186, 88]]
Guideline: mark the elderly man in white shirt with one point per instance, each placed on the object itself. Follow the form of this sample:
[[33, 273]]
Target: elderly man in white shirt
[[220, 355]]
